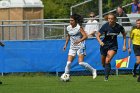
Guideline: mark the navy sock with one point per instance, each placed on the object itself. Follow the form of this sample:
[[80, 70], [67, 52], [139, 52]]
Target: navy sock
[[107, 70], [135, 67]]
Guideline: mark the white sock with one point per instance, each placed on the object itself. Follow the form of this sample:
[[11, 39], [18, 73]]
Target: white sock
[[87, 66], [67, 67]]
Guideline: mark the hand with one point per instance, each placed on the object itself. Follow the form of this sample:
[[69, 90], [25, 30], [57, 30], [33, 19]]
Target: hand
[[76, 42], [102, 43], [64, 48], [129, 50], [89, 36], [124, 48]]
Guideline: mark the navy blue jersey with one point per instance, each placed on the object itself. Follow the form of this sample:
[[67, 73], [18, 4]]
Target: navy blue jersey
[[110, 33]]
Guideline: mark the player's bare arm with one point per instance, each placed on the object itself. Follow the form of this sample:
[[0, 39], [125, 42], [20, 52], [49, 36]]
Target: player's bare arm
[[124, 41], [66, 43], [98, 38]]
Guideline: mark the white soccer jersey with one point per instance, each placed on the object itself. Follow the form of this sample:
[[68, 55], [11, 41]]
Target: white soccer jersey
[[75, 35]]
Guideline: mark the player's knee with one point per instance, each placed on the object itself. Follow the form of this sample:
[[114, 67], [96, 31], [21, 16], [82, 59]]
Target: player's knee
[[138, 61], [107, 61], [81, 63]]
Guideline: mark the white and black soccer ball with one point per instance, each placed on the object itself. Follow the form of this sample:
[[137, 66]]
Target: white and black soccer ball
[[65, 77]]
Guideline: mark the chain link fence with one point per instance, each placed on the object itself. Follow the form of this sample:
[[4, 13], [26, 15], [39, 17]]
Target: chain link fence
[[42, 29]]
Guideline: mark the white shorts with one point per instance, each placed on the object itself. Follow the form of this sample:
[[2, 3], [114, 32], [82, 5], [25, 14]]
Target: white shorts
[[73, 52]]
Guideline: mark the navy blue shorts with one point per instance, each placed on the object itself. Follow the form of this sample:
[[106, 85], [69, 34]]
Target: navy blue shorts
[[104, 49], [136, 49]]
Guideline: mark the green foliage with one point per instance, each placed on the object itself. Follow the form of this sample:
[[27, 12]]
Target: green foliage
[[110, 5], [61, 8], [58, 8]]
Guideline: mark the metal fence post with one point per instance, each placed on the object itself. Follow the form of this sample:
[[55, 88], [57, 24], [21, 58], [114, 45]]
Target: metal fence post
[[2, 30], [100, 12], [43, 33], [64, 31], [27, 30]]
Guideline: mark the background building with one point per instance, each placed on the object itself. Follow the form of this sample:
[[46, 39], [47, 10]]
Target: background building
[[12, 10], [21, 9]]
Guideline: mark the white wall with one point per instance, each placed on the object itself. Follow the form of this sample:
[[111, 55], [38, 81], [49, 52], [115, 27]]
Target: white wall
[[20, 3]]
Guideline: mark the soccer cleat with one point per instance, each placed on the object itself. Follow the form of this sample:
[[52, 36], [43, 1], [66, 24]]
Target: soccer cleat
[[0, 82], [94, 73], [138, 80], [134, 73], [106, 78]]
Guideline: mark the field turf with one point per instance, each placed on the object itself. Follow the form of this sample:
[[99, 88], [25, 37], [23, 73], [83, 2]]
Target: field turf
[[77, 84]]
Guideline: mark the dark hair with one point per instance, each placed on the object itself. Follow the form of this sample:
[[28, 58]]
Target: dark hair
[[106, 16], [137, 20], [121, 8], [78, 18]]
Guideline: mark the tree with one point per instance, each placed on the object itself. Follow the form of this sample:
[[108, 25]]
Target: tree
[[61, 8], [57, 8]]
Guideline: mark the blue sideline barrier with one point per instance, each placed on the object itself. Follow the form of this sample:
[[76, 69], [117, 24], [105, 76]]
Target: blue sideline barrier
[[48, 56]]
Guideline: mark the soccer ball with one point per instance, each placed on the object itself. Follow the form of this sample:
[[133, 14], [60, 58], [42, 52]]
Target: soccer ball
[[65, 77]]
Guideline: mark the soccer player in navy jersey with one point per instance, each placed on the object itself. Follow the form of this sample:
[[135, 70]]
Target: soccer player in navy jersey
[[76, 36], [109, 45]]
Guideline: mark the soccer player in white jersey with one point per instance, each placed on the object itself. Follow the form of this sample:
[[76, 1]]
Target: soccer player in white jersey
[[77, 35]]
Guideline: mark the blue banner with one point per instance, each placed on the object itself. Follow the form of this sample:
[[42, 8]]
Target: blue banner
[[48, 56]]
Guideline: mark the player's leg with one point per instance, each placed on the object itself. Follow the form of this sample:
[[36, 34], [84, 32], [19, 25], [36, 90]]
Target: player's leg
[[84, 64], [138, 62], [103, 60], [71, 56], [103, 52], [81, 54], [110, 55], [136, 49], [135, 66], [134, 70]]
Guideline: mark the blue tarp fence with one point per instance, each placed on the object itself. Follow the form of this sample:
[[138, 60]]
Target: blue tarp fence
[[48, 56]]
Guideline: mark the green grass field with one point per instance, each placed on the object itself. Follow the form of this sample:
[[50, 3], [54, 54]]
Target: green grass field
[[78, 84]]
